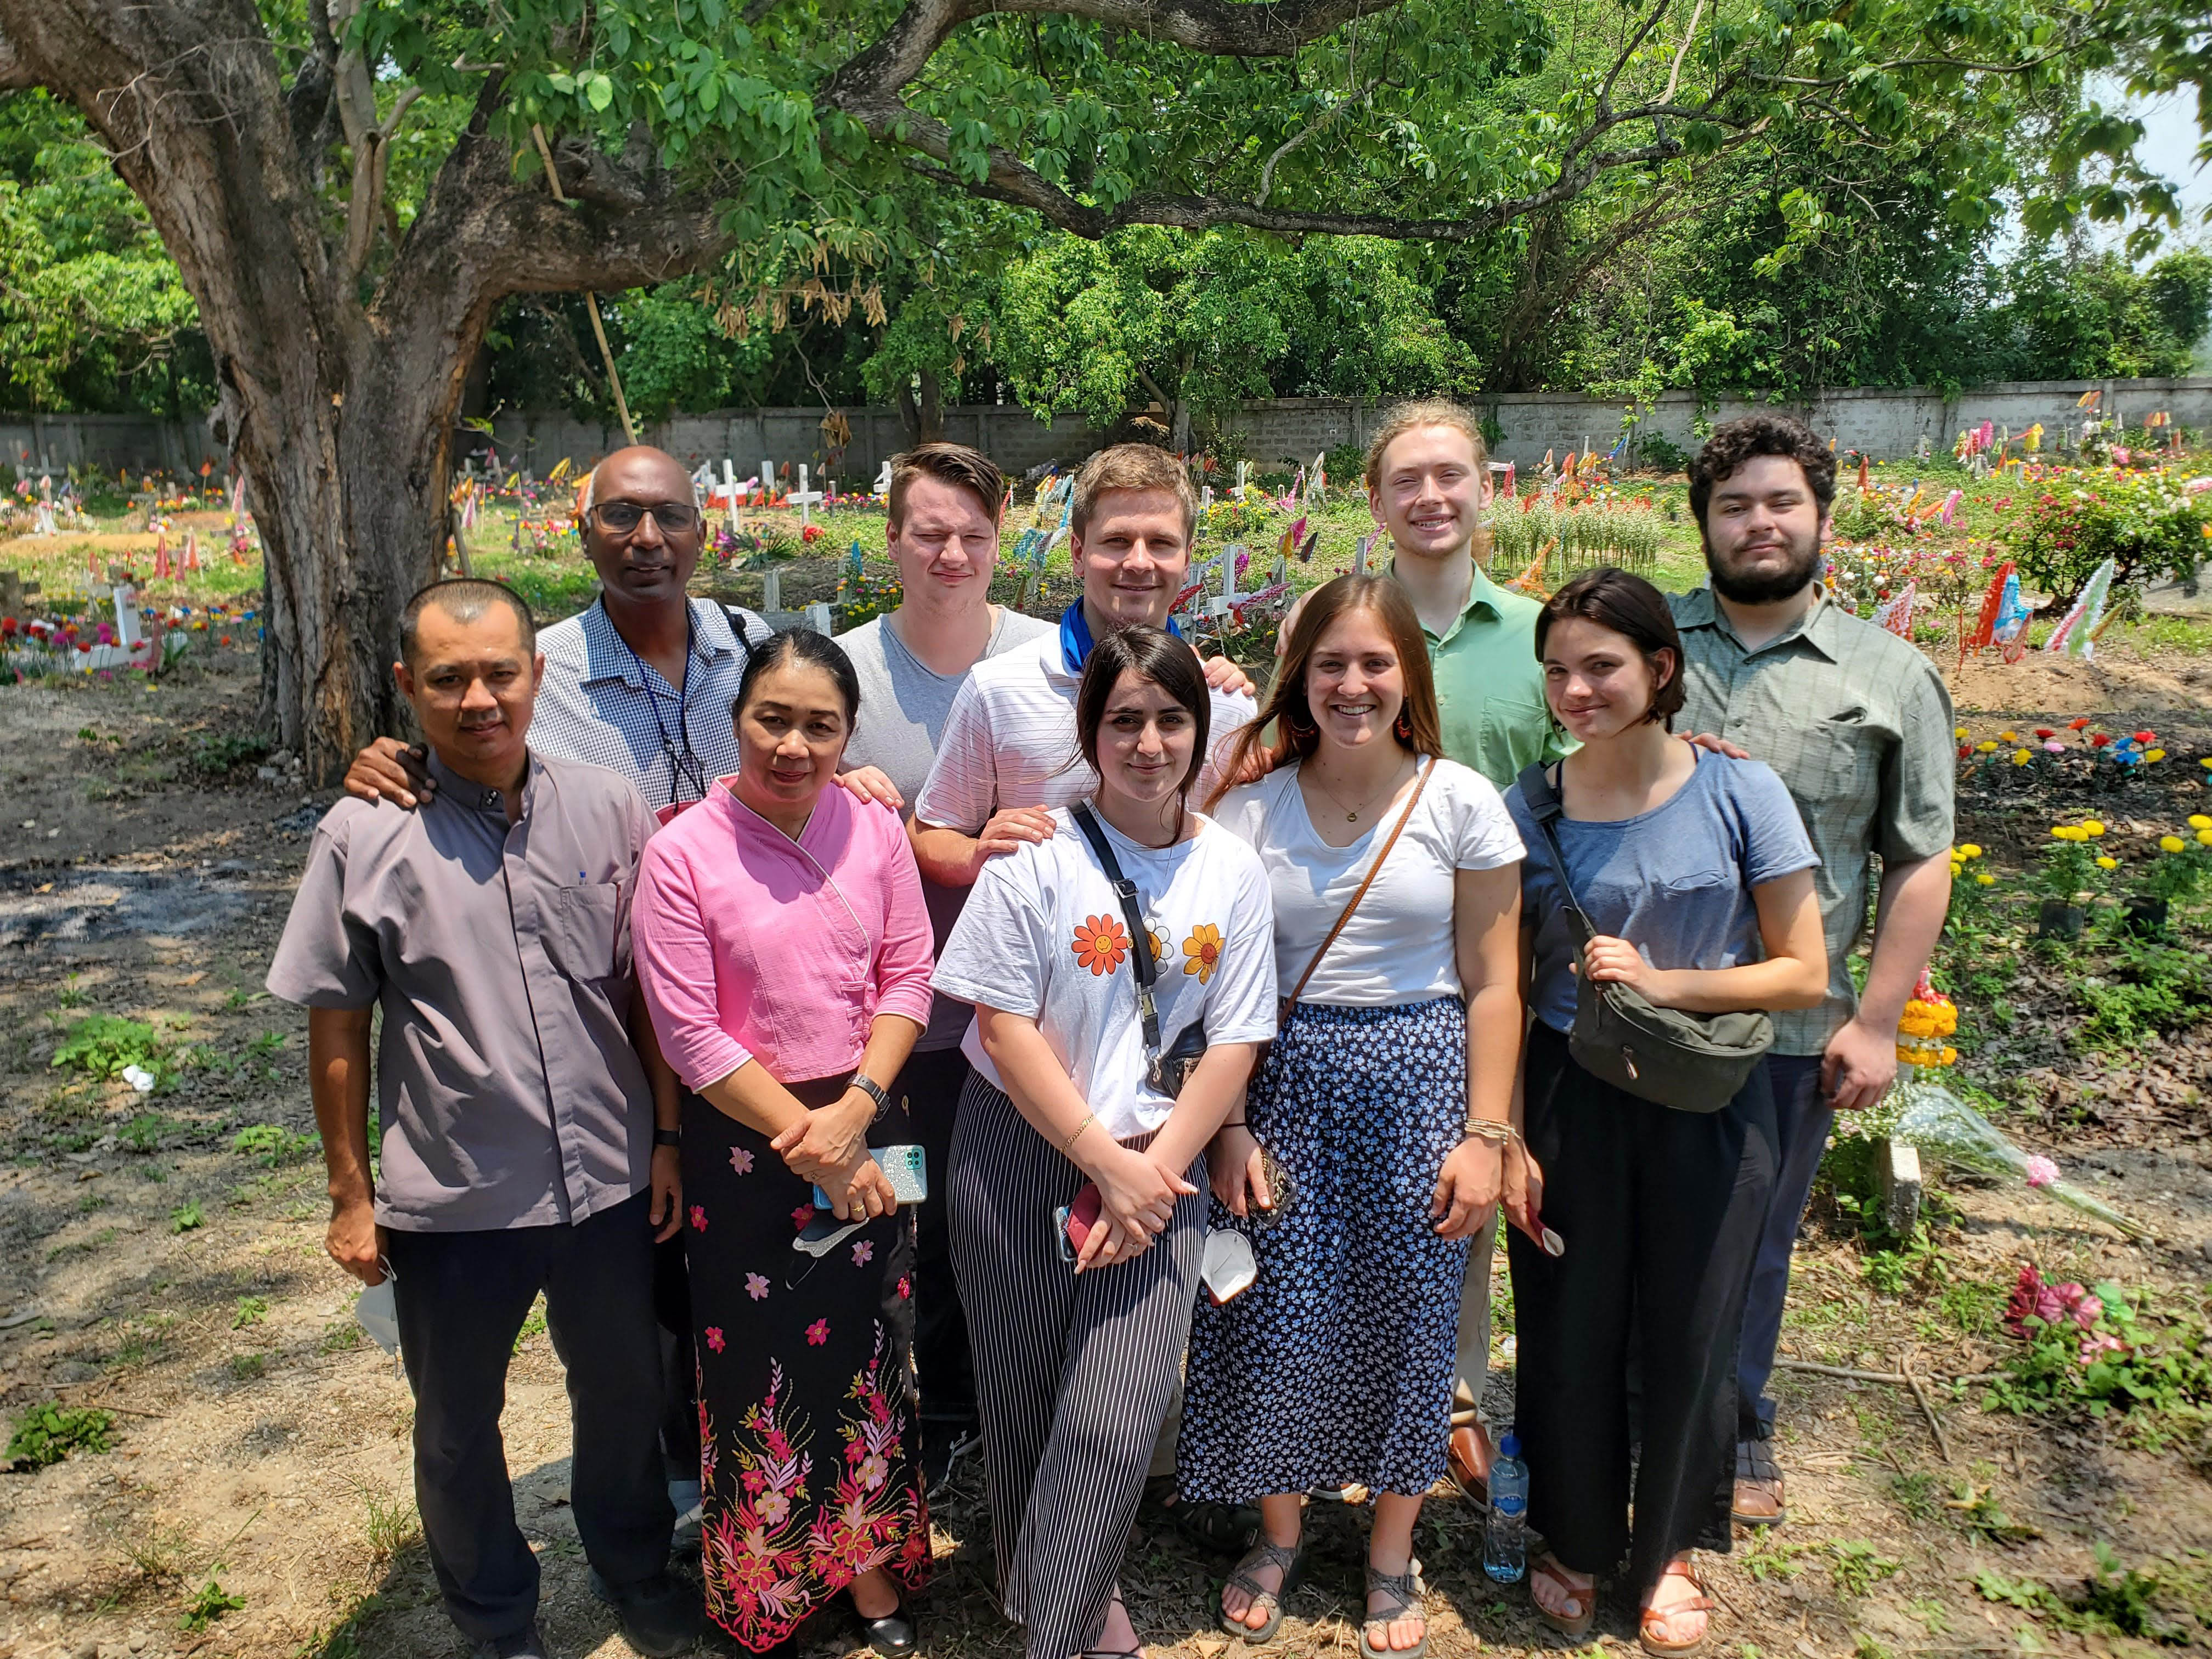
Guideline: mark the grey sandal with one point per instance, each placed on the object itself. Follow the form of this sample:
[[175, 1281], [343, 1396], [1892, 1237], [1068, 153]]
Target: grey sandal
[[1291, 1561], [1405, 1590]]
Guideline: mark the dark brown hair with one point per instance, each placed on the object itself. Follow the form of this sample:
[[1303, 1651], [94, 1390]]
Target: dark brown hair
[[1159, 657], [1631, 607], [1747, 440], [953, 464], [1287, 712]]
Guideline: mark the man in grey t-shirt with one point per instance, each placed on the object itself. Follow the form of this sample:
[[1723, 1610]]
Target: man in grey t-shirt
[[945, 503]]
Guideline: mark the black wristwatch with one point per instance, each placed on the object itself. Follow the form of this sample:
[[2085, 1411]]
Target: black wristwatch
[[667, 1137], [874, 1090]]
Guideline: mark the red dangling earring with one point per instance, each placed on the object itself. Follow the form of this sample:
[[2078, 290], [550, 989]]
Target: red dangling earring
[[1403, 726]]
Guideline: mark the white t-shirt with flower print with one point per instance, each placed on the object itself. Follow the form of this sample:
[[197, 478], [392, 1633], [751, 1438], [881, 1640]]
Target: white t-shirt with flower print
[[1043, 936]]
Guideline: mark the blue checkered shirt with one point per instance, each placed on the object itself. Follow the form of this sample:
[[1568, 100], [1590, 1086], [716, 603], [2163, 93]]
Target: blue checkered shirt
[[603, 704]]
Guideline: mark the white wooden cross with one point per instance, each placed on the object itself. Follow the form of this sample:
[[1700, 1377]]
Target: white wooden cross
[[1227, 603], [883, 479], [772, 590], [1359, 555], [1243, 467], [768, 481], [804, 498]]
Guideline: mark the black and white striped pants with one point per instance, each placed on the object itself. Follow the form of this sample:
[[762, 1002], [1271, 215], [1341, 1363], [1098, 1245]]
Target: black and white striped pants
[[1074, 1375]]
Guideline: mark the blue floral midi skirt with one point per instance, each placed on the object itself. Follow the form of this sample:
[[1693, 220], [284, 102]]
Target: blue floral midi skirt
[[1336, 1366]]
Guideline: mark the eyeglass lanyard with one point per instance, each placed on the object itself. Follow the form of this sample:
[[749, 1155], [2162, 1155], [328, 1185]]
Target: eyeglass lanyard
[[685, 768]]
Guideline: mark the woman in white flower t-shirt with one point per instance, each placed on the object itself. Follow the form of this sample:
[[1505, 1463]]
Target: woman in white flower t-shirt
[[1078, 1344], [1384, 1102]]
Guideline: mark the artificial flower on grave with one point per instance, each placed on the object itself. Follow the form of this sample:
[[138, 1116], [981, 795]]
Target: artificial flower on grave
[[1930, 1016]]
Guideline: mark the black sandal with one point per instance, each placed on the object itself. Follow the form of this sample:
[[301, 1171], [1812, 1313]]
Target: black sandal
[[1291, 1561], [1405, 1590], [1224, 1528]]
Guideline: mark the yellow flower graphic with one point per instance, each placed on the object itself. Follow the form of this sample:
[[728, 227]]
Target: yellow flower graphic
[[1100, 943], [1201, 951]]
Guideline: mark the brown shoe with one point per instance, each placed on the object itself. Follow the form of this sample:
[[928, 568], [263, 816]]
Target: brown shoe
[[1470, 1456], [1758, 1501]]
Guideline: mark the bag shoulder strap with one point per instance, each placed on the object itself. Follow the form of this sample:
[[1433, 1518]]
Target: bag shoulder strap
[[1373, 869], [1541, 792], [1140, 943]]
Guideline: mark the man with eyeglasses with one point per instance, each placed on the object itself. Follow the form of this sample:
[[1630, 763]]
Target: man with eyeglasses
[[641, 682]]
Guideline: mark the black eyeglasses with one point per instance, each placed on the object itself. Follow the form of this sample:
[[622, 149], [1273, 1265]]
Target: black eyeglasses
[[674, 517]]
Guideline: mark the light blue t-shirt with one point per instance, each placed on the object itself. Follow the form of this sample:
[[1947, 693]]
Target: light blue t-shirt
[[1675, 882]]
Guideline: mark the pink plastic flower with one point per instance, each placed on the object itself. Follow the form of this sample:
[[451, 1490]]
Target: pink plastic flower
[[2041, 1171]]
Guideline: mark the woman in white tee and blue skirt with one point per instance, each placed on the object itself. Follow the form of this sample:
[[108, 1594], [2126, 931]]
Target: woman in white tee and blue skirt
[[1382, 1110], [1076, 1127]]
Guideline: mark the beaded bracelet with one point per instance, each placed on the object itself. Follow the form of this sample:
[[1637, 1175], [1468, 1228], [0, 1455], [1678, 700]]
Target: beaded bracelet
[[1491, 1129]]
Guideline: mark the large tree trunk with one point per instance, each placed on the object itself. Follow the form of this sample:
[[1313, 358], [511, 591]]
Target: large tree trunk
[[340, 406]]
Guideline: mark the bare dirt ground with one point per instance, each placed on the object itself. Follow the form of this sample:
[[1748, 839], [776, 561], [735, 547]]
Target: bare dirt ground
[[149, 1267]]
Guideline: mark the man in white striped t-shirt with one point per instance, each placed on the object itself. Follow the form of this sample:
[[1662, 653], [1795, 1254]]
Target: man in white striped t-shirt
[[1009, 755]]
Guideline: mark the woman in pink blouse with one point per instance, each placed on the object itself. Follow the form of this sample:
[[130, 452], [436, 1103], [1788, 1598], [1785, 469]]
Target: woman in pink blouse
[[784, 952]]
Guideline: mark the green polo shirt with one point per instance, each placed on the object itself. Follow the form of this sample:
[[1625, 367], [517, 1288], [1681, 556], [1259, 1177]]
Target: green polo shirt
[[1858, 724], [1490, 686]]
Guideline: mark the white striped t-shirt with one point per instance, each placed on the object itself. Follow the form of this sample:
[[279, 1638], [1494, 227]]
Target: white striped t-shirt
[[1010, 741]]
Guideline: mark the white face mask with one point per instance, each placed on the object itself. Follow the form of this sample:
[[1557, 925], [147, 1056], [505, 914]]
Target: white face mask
[[379, 1311]]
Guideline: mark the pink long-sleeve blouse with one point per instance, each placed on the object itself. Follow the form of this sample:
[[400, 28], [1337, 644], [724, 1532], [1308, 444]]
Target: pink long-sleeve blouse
[[750, 946]]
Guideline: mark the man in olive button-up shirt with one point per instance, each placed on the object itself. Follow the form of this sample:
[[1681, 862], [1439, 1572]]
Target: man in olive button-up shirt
[[519, 1151], [1858, 723]]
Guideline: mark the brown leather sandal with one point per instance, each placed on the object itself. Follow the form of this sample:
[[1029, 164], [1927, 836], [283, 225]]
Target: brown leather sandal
[[1553, 1571], [1648, 1616]]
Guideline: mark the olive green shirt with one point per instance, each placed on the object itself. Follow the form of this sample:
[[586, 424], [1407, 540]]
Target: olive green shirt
[[1858, 724], [1490, 687]]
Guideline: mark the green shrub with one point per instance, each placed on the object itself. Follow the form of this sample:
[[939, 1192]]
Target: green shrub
[[103, 1044], [49, 1433], [2143, 521]]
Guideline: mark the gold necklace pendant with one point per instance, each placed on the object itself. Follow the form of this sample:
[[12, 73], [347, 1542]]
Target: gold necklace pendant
[[1351, 817]]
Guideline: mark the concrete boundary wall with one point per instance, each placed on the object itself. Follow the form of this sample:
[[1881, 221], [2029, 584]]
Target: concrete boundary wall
[[1888, 423]]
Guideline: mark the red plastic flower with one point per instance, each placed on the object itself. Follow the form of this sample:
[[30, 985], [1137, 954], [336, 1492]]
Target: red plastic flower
[[2099, 740], [2145, 738], [2044, 731], [2075, 725]]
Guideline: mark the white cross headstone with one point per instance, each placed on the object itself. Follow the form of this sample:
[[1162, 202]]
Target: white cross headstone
[[883, 479], [1359, 555], [1227, 602], [768, 480], [817, 617], [43, 519], [126, 616], [1242, 468], [1205, 499], [772, 590], [804, 498]]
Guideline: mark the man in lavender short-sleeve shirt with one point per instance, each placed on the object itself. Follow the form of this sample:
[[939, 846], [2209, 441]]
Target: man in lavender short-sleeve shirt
[[519, 1153]]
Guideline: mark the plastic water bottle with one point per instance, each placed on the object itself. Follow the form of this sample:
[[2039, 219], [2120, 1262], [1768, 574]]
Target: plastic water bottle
[[1504, 1548]]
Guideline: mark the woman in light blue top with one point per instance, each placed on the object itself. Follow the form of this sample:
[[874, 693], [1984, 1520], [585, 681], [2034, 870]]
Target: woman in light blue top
[[1696, 874]]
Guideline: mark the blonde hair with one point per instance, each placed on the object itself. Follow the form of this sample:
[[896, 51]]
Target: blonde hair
[[1133, 466], [1427, 411]]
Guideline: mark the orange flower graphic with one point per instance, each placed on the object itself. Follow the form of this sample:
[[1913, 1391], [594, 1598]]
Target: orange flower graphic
[[1100, 943], [1201, 951]]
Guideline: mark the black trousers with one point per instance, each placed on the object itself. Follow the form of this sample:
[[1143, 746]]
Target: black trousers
[[679, 1361], [930, 1085], [462, 1298], [1662, 1212]]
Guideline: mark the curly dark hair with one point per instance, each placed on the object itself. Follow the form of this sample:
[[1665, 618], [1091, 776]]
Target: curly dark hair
[[1754, 435]]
